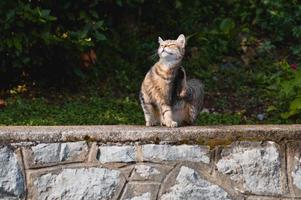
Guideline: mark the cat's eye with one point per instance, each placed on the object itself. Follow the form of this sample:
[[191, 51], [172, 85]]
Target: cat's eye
[[170, 45]]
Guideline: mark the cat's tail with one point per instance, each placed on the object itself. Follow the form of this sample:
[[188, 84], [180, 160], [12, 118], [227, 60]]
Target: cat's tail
[[186, 110], [196, 89]]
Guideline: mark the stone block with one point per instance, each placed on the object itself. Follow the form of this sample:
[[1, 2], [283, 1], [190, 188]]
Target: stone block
[[294, 167], [141, 191], [296, 173], [12, 181], [266, 198], [150, 172], [157, 153], [110, 153], [48, 154], [144, 196], [190, 185], [254, 166], [76, 184]]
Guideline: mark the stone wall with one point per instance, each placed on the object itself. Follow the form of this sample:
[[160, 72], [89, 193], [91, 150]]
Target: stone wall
[[138, 163]]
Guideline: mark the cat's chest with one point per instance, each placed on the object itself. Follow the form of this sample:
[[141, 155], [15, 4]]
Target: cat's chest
[[164, 90]]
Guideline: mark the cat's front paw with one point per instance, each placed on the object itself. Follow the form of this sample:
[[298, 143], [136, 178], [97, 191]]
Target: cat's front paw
[[183, 94], [171, 124]]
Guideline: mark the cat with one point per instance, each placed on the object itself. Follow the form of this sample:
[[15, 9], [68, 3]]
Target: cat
[[166, 97]]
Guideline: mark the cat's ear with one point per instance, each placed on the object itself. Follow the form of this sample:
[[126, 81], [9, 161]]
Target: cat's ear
[[181, 40], [160, 40]]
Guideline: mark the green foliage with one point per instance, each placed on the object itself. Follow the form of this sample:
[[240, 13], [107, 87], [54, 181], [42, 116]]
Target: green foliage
[[227, 25], [80, 111], [287, 89], [241, 50], [87, 111], [41, 40], [215, 119]]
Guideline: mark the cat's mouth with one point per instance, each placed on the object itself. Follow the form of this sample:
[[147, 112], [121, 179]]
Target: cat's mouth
[[169, 53]]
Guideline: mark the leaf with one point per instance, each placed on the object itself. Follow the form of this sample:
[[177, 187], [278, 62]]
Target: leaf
[[26, 60], [78, 73], [295, 105], [98, 24], [99, 36], [178, 4], [119, 2], [45, 13], [17, 44], [10, 14], [287, 88], [94, 14], [82, 14], [287, 115], [271, 108], [295, 108], [227, 25], [297, 31], [52, 18], [83, 33]]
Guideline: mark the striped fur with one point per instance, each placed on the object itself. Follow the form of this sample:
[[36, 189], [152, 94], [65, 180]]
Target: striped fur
[[166, 97]]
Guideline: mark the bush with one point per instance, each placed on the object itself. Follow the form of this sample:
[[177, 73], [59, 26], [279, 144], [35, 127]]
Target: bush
[[233, 46], [286, 87], [41, 41]]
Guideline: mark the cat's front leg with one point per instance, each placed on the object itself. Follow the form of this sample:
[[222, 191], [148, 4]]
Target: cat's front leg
[[150, 112], [166, 116], [150, 115]]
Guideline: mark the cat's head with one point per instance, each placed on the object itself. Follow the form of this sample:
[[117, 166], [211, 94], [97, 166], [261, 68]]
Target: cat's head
[[172, 50]]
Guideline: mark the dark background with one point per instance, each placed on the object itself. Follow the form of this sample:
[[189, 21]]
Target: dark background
[[247, 53]]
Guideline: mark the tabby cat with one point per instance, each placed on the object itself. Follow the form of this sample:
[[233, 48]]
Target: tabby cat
[[166, 97]]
